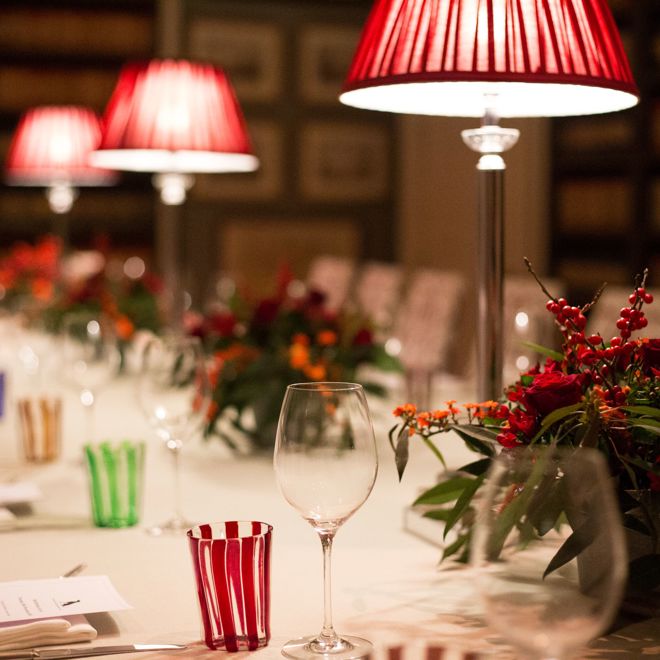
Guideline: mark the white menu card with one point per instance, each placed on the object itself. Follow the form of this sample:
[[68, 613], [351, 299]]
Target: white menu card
[[55, 597]]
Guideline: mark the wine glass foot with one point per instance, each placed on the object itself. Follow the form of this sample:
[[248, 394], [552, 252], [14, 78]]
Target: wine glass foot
[[346, 647], [170, 527]]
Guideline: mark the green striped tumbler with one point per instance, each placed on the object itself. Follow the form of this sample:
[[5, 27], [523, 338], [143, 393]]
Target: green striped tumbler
[[115, 471]]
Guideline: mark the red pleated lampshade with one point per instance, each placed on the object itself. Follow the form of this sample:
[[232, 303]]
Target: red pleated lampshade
[[539, 57], [174, 116], [52, 144]]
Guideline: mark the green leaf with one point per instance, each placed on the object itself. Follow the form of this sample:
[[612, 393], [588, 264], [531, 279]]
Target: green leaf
[[437, 514], [476, 438], [477, 468], [554, 417], [544, 350], [463, 503], [401, 452], [647, 424], [643, 410], [444, 492], [644, 572], [577, 542], [454, 547]]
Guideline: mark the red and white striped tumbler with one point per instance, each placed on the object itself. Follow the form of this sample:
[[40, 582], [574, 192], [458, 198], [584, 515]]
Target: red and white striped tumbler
[[231, 561]]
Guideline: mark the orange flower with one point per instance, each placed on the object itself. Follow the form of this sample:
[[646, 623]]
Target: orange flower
[[439, 415], [298, 356], [315, 371], [423, 420], [326, 338], [300, 338], [212, 410], [42, 289], [124, 327], [405, 409]]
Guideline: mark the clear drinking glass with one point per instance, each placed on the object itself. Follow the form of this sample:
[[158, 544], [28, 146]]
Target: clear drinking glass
[[326, 463], [549, 549], [174, 394], [90, 358]]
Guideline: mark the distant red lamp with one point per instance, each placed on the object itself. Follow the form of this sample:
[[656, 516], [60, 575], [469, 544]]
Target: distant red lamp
[[174, 118], [51, 147], [490, 59]]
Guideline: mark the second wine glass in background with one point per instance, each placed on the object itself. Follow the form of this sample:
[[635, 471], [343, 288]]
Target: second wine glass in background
[[89, 359], [549, 549], [174, 394]]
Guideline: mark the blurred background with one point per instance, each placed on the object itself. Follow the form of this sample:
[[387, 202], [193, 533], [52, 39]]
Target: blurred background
[[582, 194]]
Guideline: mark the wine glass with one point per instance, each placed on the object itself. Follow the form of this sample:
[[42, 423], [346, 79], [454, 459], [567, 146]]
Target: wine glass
[[549, 549], [174, 394], [90, 358], [326, 463]]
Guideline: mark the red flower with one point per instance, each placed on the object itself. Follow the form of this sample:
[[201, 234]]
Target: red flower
[[552, 390], [363, 337], [508, 439], [522, 422], [650, 352], [266, 312], [222, 323]]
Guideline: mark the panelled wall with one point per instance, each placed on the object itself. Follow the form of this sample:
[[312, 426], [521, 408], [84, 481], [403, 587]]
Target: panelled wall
[[327, 181], [62, 53], [606, 173]]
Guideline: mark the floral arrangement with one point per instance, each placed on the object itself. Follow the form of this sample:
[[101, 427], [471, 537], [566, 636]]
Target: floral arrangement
[[259, 348], [30, 271], [43, 281], [596, 392]]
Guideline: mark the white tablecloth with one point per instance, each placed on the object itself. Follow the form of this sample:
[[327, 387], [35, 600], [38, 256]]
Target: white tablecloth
[[387, 586]]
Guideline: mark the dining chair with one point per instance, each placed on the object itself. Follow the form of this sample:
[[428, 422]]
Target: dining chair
[[333, 276], [377, 292]]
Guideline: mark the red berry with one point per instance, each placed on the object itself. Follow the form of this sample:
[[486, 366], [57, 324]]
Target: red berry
[[632, 298], [641, 291], [615, 341], [622, 324], [581, 321], [577, 338], [562, 302], [549, 305], [609, 353], [594, 339], [648, 298], [625, 333], [625, 312], [643, 322]]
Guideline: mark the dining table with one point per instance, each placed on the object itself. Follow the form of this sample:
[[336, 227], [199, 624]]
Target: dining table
[[388, 583]]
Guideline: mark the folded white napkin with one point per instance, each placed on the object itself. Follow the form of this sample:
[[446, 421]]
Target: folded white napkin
[[43, 632]]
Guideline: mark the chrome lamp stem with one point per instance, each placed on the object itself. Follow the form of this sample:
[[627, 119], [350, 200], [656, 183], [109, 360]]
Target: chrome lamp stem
[[490, 140]]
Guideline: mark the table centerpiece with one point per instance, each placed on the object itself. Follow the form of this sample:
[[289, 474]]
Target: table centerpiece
[[260, 346], [595, 392]]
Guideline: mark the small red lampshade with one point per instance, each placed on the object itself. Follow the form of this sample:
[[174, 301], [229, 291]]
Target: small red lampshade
[[174, 116], [540, 58], [52, 145]]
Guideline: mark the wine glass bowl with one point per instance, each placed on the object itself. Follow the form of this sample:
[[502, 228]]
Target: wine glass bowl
[[326, 464], [549, 550], [90, 357], [174, 395]]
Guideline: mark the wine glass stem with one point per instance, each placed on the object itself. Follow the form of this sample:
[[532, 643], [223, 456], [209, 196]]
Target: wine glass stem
[[89, 405], [178, 515], [328, 633]]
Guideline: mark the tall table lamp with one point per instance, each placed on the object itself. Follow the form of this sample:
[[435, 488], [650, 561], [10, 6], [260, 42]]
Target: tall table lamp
[[490, 59], [174, 118], [50, 148]]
